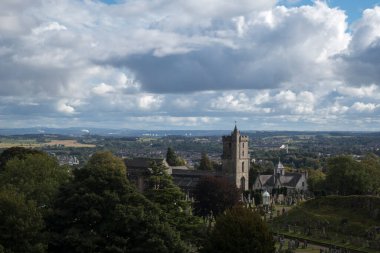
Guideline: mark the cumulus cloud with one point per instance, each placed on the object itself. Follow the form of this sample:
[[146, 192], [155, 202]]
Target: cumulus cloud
[[102, 89], [274, 47], [64, 107], [363, 107], [53, 26], [188, 63], [360, 62], [148, 101]]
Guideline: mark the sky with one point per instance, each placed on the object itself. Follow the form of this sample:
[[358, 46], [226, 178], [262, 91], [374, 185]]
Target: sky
[[194, 64]]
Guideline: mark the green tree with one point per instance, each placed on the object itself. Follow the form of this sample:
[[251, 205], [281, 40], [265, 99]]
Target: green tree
[[213, 195], [100, 211], [205, 163], [345, 176], [239, 230], [371, 164], [162, 191], [20, 224], [15, 152], [172, 159], [38, 176], [316, 180]]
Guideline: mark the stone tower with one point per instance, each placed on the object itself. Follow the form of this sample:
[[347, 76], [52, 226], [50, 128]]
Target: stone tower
[[235, 158]]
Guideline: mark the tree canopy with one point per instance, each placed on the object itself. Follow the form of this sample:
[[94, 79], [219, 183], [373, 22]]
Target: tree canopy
[[100, 211], [213, 195], [162, 191], [38, 176], [15, 152], [205, 163], [315, 180], [345, 176], [20, 224], [173, 159], [239, 230]]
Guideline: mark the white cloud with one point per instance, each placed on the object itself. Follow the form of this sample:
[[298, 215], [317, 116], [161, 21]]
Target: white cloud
[[366, 30], [371, 91], [241, 102], [364, 107], [53, 26], [102, 89], [162, 121], [64, 107], [336, 108], [193, 61], [149, 101], [286, 96]]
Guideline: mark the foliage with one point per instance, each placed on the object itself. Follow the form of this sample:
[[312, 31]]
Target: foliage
[[38, 176], [205, 163], [100, 211], [162, 191], [345, 176], [316, 180], [371, 164], [172, 159], [20, 224], [15, 152], [213, 195], [239, 230]]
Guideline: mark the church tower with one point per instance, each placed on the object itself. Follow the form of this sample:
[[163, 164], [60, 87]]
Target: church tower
[[235, 158]]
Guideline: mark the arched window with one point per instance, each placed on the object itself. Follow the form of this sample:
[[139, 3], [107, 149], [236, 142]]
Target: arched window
[[242, 167], [242, 183]]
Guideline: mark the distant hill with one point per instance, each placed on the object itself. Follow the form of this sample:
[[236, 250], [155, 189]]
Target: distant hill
[[80, 131]]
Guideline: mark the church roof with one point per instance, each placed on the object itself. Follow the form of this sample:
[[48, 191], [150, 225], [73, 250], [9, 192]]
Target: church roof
[[288, 180], [188, 179], [142, 162]]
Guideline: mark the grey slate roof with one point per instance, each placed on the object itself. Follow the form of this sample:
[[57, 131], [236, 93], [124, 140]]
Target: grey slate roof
[[141, 162], [288, 180]]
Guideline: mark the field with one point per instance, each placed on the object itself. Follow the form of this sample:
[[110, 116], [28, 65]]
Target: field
[[31, 143], [68, 143]]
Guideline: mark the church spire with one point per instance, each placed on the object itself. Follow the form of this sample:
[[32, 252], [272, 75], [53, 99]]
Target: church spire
[[235, 129]]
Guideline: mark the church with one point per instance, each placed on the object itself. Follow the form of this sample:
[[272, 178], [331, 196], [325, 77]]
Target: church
[[292, 181], [235, 167]]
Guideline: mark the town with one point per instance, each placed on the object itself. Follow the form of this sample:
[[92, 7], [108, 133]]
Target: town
[[274, 173]]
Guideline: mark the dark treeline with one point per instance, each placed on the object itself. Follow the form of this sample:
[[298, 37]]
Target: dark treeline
[[45, 207]]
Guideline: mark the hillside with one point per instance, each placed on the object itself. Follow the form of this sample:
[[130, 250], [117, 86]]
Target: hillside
[[351, 220]]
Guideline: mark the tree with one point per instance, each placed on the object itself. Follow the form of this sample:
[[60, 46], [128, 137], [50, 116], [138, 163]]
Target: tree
[[239, 230], [15, 152], [213, 195], [38, 176], [345, 176], [316, 180], [20, 224], [100, 211], [162, 191], [172, 159], [205, 163], [371, 164]]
